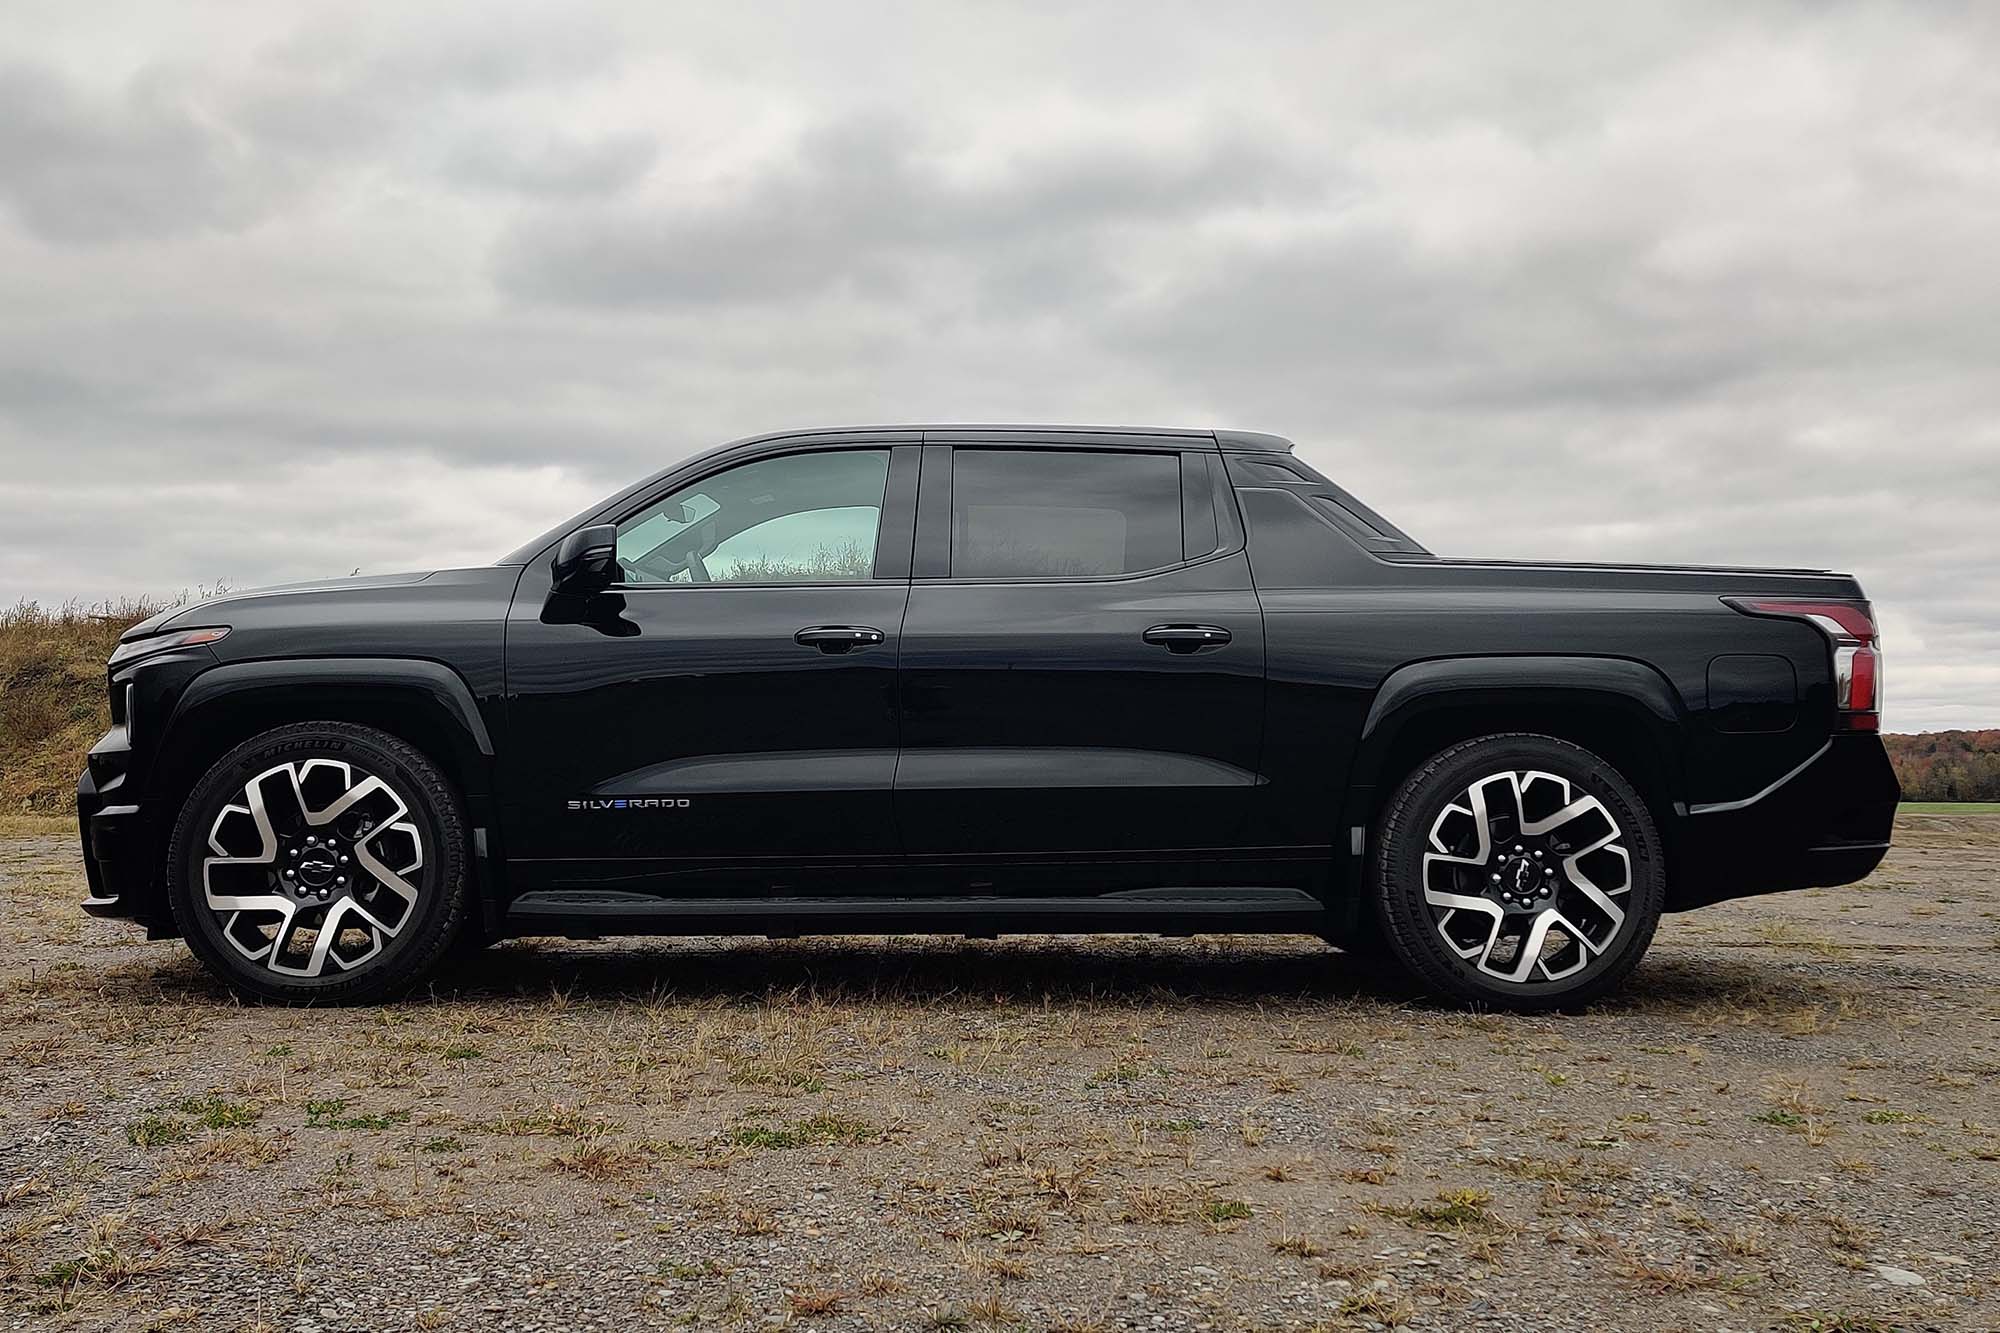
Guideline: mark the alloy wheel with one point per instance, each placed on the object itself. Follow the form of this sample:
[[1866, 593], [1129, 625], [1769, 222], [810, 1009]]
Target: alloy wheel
[[1526, 878], [314, 867]]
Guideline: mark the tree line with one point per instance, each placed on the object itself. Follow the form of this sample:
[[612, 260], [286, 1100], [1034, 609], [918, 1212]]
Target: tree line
[[1947, 765]]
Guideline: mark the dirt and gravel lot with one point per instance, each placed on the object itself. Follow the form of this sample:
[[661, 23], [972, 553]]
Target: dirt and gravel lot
[[1789, 1121]]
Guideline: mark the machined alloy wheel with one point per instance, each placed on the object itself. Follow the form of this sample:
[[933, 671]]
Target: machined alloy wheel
[[1520, 870], [314, 865], [320, 862], [1506, 879]]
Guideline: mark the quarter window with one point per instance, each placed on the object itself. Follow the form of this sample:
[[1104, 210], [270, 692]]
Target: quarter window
[[1043, 513], [797, 518]]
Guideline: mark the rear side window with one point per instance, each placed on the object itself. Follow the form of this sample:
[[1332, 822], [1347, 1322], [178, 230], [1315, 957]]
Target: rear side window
[[1044, 513]]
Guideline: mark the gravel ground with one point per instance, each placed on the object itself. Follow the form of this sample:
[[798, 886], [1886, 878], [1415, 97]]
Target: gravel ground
[[1787, 1121]]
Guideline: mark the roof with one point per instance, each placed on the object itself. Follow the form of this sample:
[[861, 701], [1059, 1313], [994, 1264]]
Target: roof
[[1031, 434]]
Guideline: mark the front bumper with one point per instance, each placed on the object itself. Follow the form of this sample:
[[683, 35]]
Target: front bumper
[[118, 861], [1827, 822]]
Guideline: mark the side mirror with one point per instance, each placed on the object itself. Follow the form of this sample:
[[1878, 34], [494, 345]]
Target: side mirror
[[587, 560]]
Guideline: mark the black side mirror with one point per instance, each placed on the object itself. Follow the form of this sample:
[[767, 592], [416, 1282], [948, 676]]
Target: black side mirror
[[587, 560]]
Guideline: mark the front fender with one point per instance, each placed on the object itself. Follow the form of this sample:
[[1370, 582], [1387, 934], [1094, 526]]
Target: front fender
[[424, 702], [237, 698]]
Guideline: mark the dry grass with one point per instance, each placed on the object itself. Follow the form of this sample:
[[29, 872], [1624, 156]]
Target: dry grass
[[1074, 1134], [52, 696]]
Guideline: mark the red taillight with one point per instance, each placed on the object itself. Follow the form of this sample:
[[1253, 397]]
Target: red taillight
[[1840, 620], [1857, 652], [1855, 672]]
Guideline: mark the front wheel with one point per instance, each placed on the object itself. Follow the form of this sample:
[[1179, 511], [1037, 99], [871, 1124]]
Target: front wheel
[[1518, 871], [320, 863]]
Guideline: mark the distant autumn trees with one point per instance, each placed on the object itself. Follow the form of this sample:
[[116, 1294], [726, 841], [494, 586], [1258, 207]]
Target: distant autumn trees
[[1947, 765]]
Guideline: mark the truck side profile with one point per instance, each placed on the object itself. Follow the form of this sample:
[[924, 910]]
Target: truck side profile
[[982, 680]]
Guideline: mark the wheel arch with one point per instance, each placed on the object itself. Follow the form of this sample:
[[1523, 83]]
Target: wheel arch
[[422, 702], [1624, 711]]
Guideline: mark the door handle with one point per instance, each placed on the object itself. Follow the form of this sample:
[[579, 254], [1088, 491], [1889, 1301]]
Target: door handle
[[1186, 638], [838, 638]]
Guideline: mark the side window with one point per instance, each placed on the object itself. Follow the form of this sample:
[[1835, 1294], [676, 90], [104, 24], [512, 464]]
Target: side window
[[1045, 513], [797, 518]]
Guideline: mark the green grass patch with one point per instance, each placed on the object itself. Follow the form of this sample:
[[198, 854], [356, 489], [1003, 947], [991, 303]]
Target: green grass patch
[[1885, 1117], [1225, 1210], [214, 1112], [1451, 1210], [821, 1129], [332, 1114], [1949, 808], [157, 1131]]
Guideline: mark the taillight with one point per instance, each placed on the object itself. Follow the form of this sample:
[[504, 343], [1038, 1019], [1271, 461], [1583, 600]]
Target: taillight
[[1857, 652]]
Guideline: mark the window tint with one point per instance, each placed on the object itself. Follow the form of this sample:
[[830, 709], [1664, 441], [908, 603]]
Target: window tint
[[799, 518], [1044, 513]]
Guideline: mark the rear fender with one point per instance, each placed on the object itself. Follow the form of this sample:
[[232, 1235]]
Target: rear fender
[[1602, 703]]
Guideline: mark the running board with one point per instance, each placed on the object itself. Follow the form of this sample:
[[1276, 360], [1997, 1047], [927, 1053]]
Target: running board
[[585, 913]]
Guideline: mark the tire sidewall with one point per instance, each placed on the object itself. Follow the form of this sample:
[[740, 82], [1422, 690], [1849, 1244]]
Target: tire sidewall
[[1399, 875], [431, 803]]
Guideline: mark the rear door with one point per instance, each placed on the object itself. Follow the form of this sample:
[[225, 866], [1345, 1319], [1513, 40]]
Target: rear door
[[1082, 658]]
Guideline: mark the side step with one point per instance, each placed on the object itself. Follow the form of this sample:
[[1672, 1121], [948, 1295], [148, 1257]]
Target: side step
[[591, 912]]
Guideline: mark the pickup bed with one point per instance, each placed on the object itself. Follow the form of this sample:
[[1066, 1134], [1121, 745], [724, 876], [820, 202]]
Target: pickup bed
[[986, 679]]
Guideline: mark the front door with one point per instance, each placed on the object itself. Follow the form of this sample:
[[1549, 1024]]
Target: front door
[[730, 702], [1082, 661]]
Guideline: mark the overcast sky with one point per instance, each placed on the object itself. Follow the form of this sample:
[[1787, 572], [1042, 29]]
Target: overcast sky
[[286, 290]]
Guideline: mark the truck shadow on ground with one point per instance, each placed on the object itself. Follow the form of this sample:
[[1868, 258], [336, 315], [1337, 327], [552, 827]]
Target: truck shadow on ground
[[1159, 974]]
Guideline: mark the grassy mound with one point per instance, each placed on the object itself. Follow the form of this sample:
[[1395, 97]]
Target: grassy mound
[[53, 703]]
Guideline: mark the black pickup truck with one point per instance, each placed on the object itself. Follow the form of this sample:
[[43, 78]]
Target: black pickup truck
[[979, 680]]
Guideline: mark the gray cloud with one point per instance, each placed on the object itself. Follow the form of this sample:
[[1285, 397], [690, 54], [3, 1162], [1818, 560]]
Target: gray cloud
[[552, 165], [137, 163], [867, 206], [290, 292]]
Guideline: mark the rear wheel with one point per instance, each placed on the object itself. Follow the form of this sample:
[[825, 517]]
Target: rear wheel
[[1520, 871], [320, 862]]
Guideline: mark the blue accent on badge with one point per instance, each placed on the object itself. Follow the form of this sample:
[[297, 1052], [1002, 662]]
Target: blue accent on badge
[[618, 805]]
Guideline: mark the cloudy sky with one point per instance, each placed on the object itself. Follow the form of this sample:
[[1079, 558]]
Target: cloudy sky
[[289, 290]]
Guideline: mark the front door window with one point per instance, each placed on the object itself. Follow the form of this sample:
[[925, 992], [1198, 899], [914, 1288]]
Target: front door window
[[797, 518]]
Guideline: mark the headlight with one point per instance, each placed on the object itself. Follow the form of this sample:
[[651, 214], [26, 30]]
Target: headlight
[[160, 643]]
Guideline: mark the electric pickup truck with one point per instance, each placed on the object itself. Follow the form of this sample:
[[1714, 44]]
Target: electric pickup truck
[[982, 680]]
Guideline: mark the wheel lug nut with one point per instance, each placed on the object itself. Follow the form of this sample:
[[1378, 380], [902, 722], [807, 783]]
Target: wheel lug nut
[[1538, 856], [343, 859], [1517, 846]]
